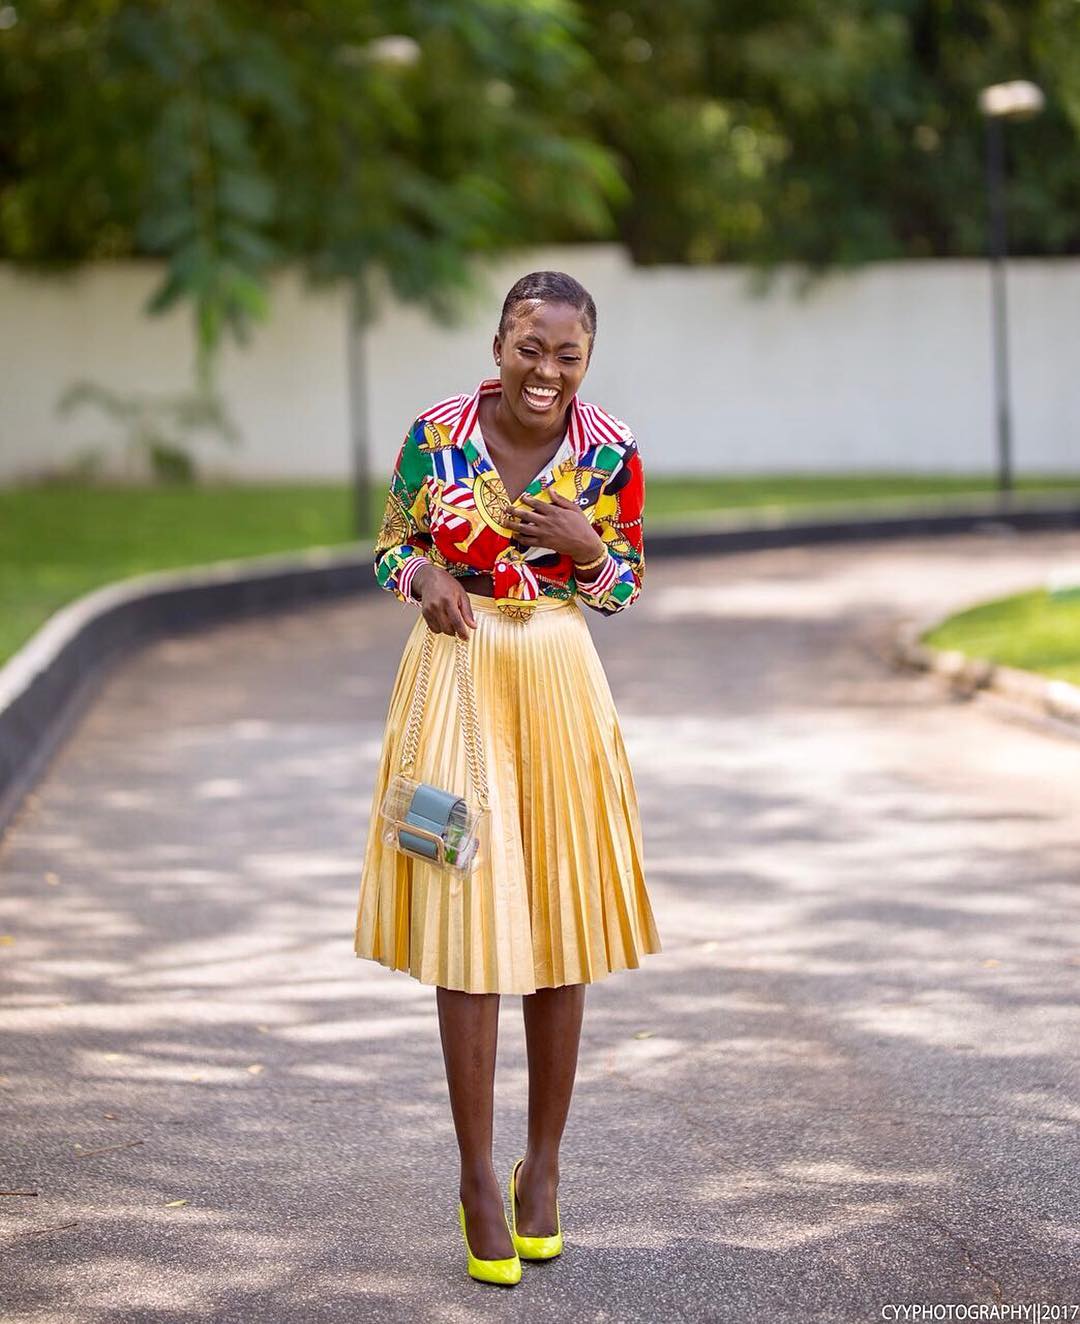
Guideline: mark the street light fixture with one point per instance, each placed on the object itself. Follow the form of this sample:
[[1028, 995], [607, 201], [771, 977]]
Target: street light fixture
[[1018, 100]]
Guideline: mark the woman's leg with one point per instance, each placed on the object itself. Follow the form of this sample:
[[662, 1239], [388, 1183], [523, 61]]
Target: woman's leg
[[552, 1032], [469, 1028]]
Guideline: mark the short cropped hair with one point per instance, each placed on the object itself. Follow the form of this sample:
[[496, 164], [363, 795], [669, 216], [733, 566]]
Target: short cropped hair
[[550, 287]]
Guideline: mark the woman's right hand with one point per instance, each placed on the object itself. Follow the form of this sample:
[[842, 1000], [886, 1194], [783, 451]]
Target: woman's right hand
[[443, 601]]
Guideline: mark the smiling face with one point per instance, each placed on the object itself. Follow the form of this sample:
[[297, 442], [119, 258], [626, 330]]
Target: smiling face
[[544, 356]]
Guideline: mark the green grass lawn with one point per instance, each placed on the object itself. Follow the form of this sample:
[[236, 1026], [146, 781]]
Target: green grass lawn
[[58, 541], [667, 498], [1028, 630]]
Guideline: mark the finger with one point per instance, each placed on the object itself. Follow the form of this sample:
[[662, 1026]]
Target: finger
[[455, 612], [467, 612]]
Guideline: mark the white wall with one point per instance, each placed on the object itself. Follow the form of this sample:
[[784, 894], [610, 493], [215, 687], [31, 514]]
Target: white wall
[[287, 392], [885, 368]]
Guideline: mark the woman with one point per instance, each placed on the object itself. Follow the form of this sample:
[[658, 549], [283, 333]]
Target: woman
[[507, 509]]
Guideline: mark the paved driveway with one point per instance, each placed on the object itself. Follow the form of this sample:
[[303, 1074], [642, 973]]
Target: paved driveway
[[848, 1081]]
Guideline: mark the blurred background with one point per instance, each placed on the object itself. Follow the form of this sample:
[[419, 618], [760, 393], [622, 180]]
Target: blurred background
[[835, 249]]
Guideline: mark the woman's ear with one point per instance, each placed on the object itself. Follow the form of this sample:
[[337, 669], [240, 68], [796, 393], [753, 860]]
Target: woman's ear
[[496, 349]]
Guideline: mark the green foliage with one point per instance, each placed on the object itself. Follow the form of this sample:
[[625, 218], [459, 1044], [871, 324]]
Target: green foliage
[[402, 136], [834, 134], [227, 138]]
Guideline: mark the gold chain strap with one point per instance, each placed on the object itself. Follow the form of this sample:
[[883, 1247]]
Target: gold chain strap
[[470, 725], [470, 722], [412, 727]]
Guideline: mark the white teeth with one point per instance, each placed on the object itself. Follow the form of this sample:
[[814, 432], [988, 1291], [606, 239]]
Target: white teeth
[[544, 393]]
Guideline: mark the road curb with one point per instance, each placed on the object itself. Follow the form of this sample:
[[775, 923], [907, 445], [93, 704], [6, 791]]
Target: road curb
[[49, 683], [966, 676]]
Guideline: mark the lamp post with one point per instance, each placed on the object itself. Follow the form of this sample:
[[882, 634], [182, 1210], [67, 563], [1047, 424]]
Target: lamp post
[[1018, 100]]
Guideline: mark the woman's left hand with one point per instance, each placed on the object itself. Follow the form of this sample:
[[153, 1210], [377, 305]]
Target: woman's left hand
[[559, 524]]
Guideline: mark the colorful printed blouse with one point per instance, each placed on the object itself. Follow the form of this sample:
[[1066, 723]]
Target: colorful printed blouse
[[446, 499]]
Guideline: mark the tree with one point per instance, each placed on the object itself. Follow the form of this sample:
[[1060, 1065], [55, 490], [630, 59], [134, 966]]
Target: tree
[[787, 130], [229, 137]]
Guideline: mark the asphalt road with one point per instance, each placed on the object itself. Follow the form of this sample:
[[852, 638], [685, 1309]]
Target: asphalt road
[[848, 1082]]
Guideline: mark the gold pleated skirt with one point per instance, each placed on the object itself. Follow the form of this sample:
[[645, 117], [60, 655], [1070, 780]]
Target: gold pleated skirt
[[558, 895]]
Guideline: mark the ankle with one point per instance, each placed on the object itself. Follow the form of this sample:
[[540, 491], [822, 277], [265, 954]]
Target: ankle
[[477, 1180], [542, 1165]]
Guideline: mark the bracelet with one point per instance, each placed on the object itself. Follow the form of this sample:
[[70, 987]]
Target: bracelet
[[591, 565]]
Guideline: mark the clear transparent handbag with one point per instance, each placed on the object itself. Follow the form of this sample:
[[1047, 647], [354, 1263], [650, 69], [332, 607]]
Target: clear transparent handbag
[[428, 822]]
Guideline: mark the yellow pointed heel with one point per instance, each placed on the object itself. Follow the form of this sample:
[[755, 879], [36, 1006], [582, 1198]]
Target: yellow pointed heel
[[533, 1248], [506, 1272]]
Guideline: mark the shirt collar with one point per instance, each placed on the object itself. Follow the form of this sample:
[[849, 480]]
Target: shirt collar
[[584, 429]]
